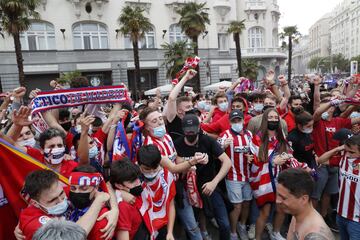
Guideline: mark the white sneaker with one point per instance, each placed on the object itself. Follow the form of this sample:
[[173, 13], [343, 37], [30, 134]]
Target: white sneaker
[[276, 236], [242, 231], [269, 228], [251, 232], [206, 236], [213, 222], [234, 236]]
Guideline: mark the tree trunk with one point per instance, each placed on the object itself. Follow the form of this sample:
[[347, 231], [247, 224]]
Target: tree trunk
[[196, 79], [137, 69], [238, 53], [19, 59], [289, 60]]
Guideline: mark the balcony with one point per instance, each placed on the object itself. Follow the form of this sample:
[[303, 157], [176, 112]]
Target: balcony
[[146, 4], [264, 53], [255, 6], [275, 8], [222, 8]]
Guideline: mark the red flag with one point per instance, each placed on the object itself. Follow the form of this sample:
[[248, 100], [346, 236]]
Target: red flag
[[15, 166]]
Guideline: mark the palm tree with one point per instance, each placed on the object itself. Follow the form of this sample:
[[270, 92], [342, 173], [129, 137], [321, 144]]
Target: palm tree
[[293, 35], [133, 23], [250, 69], [193, 20], [15, 16], [175, 55], [236, 27]]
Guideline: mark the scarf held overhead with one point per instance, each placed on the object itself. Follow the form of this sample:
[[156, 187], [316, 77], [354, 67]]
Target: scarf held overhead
[[79, 96]]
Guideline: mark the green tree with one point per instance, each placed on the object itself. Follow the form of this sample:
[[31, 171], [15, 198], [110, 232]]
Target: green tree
[[340, 62], [193, 20], [175, 55], [250, 69], [65, 78], [236, 27], [15, 18], [292, 34], [133, 23]]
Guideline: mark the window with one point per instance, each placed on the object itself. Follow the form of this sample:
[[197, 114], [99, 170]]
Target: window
[[275, 37], [223, 40], [148, 41], [256, 37], [40, 36], [175, 34], [90, 36]]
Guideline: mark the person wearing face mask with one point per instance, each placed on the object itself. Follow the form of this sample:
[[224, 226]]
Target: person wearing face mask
[[301, 140], [257, 102], [159, 186], [294, 106], [48, 201], [325, 126], [207, 179], [221, 104], [270, 150], [124, 175], [176, 107], [26, 138], [223, 123], [255, 122], [236, 142], [155, 134], [348, 208], [85, 184]]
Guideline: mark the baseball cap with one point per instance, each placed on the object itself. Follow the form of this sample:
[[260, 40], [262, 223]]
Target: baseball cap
[[342, 135], [190, 123], [236, 113]]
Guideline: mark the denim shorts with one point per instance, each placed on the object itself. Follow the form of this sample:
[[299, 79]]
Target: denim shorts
[[327, 182], [238, 192]]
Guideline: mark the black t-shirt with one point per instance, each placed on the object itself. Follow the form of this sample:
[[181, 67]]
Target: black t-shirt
[[206, 144], [303, 146], [174, 129]]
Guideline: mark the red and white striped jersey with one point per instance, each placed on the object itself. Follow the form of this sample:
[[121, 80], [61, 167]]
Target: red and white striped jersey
[[165, 146], [239, 170], [155, 201], [260, 177], [349, 194]]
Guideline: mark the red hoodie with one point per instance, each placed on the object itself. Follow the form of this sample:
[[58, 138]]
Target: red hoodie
[[217, 115], [223, 123]]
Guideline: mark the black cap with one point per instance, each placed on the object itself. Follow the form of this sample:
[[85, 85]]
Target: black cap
[[190, 123], [236, 113], [342, 135]]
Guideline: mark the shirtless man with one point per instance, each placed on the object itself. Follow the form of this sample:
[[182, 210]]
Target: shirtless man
[[294, 189]]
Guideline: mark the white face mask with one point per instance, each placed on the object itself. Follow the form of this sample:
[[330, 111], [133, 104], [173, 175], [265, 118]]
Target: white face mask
[[258, 107], [237, 127], [325, 115], [93, 152], [223, 106], [28, 142], [307, 130], [55, 155]]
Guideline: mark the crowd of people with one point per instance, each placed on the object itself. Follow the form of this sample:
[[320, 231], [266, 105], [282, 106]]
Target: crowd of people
[[277, 161]]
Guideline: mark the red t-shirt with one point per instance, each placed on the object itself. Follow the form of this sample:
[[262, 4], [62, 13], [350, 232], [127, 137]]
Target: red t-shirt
[[95, 233], [290, 120], [129, 219], [324, 131], [217, 115], [67, 166], [31, 219], [69, 140]]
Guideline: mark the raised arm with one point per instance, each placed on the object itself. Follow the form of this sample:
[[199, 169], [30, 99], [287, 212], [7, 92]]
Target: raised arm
[[171, 109], [83, 148], [317, 82]]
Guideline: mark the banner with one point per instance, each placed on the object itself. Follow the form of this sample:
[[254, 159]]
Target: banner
[[190, 62], [15, 166], [78, 96]]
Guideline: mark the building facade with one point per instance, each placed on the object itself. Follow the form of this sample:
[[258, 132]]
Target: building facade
[[345, 29], [300, 57], [84, 35], [319, 37]]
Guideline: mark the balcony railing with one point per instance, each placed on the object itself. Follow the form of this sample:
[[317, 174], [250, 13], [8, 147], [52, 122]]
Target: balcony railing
[[255, 6], [266, 52]]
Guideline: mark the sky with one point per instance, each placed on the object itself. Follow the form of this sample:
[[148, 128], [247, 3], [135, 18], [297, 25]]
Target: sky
[[304, 13]]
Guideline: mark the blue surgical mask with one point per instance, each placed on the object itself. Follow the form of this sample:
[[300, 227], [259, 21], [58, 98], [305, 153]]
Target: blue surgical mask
[[159, 131], [93, 152], [59, 208], [223, 106], [207, 107], [325, 115], [201, 104], [237, 127], [258, 107], [354, 115]]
